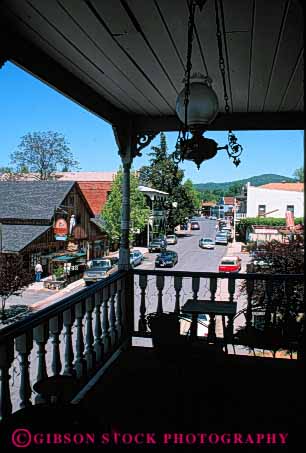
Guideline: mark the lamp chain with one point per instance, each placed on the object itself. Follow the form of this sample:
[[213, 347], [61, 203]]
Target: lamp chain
[[221, 59], [192, 6]]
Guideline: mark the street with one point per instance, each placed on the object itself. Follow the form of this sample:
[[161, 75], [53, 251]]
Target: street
[[190, 256]]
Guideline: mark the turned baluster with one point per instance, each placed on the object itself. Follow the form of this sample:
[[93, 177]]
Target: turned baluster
[[268, 303], [80, 362], [142, 324], [211, 336], [68, 320], [24, 344], [105, 322], [55, 327], [112, 315], [89, 339], [160, 283], [178, 281], [213, 288], [98, 344], [40, 336], [248, 314], [119, 308], [6, 359]]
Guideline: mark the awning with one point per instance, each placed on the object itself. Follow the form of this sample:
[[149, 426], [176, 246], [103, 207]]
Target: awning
[[65, 258]]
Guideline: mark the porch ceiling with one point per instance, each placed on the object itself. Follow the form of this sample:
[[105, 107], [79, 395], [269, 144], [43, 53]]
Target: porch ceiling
[[125, 58]]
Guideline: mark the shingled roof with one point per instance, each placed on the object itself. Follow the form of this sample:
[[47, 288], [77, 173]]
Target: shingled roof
[[17, 237], [33, 200]]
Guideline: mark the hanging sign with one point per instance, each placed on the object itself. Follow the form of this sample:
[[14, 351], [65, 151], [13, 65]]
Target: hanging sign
[[60, 230]]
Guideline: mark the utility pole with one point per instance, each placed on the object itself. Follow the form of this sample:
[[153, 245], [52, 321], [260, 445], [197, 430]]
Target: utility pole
[[234, 231], [0, 237]]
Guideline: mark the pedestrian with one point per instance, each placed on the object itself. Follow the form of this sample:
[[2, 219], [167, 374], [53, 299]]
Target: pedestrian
[[38, 271]]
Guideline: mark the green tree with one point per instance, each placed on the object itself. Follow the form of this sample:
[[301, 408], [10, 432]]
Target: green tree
[[299, 174], [111, 213], [43, 153], [163, 174], [233, 190], [193, 193], [13, 278]]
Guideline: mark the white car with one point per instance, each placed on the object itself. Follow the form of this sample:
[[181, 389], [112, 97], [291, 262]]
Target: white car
[[202, 329], [171, 239], [207, 243]]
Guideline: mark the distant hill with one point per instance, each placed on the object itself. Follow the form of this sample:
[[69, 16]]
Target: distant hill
[[253, 180]]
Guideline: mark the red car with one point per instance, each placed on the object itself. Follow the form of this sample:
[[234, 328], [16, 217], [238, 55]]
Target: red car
[[230, 264], [195, 226]]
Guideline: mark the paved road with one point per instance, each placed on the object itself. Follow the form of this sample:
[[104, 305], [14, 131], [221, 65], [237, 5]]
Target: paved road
[[191, 256]]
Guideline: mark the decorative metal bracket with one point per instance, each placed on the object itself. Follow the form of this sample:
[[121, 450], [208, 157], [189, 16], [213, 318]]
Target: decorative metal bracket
[[143, 140]]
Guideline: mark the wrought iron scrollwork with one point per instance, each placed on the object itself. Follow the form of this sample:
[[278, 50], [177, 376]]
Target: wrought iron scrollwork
[[143, 140], [235, 148]]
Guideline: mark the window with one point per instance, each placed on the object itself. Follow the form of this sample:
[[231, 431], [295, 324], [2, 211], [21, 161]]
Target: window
[[261, 210], [290, 207]]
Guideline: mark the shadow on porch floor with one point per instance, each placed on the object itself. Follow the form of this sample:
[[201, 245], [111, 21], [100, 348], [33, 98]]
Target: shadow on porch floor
[[195, 391]]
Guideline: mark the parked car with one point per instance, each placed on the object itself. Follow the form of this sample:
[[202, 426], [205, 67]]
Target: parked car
[[207, 243], [213, 217], [195, 226], [171, 239], [221, 238], [157, 245], [98, 269], [138, 252], [228, 231], [202, 324], [230, 264], [166, 259], [136, 258]]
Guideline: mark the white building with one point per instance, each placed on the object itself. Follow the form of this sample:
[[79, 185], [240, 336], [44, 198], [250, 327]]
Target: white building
[[274, 199]]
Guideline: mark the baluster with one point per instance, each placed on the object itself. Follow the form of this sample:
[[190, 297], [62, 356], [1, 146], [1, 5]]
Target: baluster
[[248, 314], [268, 301], [231, 289], [55, 326], [98, 344], [105, 322], [213, 288], [89, 339], [195, 287], [160, 283], [24, 345], [178, 282], [142, 323], [112, 316], [119, 309], [80, 362], [41, 335], [6, 359], [211, 336], [68, 320]]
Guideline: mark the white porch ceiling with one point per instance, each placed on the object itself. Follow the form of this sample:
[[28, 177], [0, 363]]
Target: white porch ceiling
[[125, 58]]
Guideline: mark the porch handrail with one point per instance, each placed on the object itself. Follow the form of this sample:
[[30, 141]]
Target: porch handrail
[[224, 275], [37, 318]]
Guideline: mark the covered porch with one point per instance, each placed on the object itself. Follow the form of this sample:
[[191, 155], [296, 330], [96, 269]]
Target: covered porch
[[124, 61]]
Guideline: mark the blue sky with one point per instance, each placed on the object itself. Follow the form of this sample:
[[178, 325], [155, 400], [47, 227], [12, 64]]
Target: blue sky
[[28, 105]]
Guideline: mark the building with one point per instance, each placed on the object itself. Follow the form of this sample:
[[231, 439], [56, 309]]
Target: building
[[42, 220], [274, 199], [158, 215]]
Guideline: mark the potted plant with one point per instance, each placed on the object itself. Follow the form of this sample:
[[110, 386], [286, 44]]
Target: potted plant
[[165, 328], [58, 273]]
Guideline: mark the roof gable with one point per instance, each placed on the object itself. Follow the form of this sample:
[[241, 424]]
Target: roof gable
[[33, 200]]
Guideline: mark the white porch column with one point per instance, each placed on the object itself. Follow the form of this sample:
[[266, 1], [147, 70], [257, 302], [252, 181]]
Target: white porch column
[[124, 252]]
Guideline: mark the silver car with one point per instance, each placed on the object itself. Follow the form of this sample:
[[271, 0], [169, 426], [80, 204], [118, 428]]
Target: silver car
[[221, 238], [207, 243]]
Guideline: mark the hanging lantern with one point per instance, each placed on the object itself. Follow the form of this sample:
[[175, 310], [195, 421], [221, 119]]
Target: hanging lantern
[[203, 105]]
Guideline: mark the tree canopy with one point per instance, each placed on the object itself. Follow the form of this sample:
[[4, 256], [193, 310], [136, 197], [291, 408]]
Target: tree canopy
[[111, 213], [43, 153], [163, 174], [299, 174]]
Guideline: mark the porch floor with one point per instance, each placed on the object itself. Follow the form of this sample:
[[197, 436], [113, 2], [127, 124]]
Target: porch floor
[[193, 390]]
